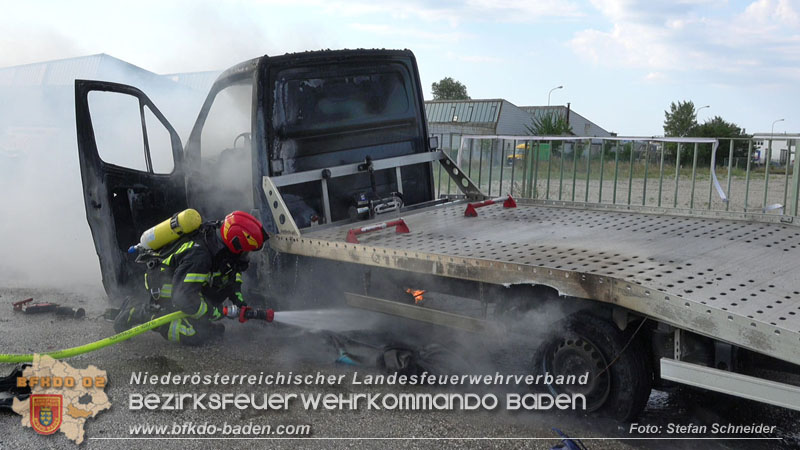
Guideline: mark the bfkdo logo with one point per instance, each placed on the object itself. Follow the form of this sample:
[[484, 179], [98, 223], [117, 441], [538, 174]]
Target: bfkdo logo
[[46, 413], [60, 403]]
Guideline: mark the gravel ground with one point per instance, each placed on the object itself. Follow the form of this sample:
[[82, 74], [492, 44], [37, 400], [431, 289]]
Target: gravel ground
[[252, 348]]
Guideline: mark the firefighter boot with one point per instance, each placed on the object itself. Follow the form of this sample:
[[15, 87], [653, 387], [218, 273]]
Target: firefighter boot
[[133, 312], [192, 332]]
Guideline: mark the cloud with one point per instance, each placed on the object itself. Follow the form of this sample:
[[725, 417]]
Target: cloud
[[656, 77], [450, 12], [480, 59], [771, 13], [521, 10], [627, 44], [649, 11], [406, 33], [189, 35], [475, 59], [705, 36]]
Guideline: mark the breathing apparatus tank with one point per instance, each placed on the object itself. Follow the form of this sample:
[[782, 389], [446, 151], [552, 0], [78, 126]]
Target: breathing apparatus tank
[[168, 231]]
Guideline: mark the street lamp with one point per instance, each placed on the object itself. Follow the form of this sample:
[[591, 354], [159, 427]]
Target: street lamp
[[551, 91], [773, 126], [697, 114], [769, 151]]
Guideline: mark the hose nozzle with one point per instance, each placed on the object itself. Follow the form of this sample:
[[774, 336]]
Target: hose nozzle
[[246, 313]]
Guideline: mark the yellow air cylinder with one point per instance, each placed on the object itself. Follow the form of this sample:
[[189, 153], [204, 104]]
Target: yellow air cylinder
[[169, 230]]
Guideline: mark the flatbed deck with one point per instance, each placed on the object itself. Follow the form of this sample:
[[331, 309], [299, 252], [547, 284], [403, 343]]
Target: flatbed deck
[[721, 275]]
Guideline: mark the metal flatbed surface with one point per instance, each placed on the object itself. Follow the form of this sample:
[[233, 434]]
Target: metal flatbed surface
[[734, 280]]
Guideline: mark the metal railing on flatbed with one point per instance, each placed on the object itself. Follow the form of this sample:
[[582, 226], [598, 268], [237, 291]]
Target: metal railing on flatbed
[[749, 175]]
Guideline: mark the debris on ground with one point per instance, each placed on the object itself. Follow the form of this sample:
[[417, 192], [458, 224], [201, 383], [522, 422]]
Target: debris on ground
[[28, 307]]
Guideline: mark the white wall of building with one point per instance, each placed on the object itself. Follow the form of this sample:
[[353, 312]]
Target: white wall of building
[[784, 146]]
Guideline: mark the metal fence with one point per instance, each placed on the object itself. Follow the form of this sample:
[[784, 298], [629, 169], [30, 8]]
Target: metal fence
[[744, 175]]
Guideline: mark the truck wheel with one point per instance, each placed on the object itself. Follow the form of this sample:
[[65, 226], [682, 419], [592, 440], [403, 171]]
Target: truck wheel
[[586, 343]]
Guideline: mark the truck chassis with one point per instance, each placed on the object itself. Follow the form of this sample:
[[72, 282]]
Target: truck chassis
[[725, 276]]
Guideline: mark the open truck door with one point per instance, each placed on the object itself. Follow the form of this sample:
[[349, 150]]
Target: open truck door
[[131, 162]]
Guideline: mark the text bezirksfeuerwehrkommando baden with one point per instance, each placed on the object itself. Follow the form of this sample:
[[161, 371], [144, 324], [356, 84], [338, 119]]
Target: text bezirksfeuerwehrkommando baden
[[354, 378], [419, 401]]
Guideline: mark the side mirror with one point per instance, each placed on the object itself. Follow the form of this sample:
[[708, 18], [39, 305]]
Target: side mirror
[[433, 142]]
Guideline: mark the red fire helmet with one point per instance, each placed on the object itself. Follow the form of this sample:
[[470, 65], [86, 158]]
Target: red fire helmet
[[242, 232]]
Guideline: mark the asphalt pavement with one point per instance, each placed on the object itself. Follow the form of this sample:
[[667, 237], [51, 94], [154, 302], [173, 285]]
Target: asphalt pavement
[[253, 348]]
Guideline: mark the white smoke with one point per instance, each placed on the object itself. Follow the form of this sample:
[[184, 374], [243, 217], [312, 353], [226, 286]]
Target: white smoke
[[44, 236]]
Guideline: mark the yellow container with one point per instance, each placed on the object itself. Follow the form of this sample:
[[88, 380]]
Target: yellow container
[[169, 230]]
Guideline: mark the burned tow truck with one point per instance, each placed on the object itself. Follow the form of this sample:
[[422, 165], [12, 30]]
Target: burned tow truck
[[331, 151]]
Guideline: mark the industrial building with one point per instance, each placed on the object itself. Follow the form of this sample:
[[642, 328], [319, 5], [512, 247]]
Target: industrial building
[[783, 149], [451, 119]]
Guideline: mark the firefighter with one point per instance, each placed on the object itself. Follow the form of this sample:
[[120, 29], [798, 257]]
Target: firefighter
[[195, 276]]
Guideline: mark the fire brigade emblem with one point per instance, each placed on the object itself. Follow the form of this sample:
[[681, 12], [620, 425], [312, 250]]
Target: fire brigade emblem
[[45, 413]]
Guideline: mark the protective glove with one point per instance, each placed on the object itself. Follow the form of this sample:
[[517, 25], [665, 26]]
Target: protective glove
[[238, 300], [215, 313]]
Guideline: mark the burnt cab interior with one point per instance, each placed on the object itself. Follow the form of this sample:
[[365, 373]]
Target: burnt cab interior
[[319, 110]]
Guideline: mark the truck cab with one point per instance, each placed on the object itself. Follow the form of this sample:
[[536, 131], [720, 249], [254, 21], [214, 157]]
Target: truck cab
[[289, 116]]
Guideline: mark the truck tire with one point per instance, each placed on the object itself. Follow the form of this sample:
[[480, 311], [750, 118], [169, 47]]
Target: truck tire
[[584, 343]]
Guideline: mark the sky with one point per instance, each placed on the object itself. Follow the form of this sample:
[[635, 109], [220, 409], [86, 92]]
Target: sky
[[620, 62]]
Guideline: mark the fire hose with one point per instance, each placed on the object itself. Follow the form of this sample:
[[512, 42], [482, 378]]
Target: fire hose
[[243, 314]]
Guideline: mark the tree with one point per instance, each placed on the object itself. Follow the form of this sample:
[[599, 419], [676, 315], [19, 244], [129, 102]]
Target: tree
[[680, 120], [449, 89], [720, 128], [549, 124]]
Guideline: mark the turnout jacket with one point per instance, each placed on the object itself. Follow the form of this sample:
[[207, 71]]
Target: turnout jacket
[[197, 275]]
